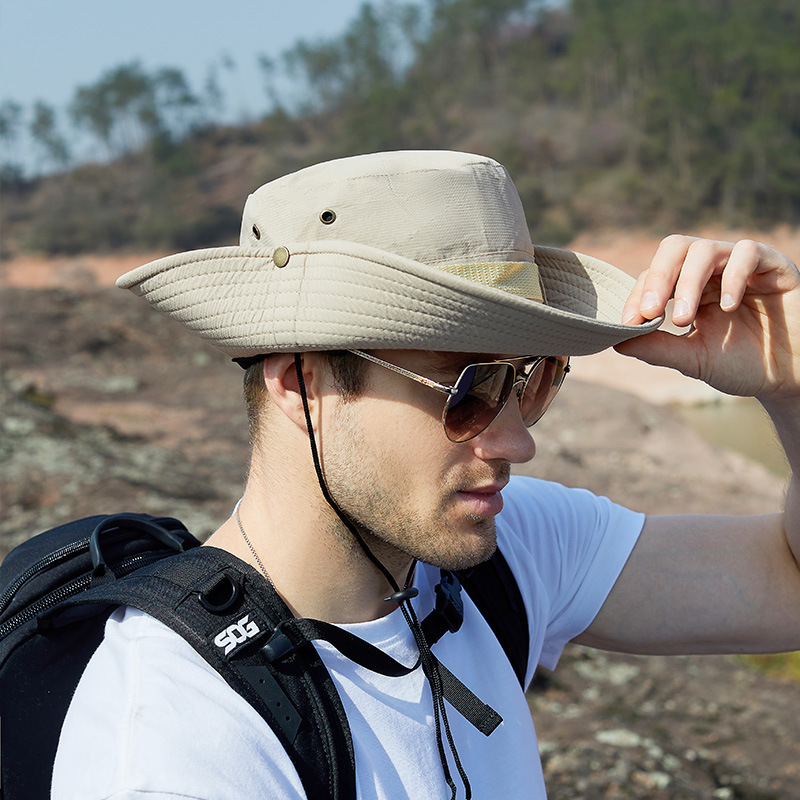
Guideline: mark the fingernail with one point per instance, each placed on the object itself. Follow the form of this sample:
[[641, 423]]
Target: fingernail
[[628, 315], [649, 300], [726, 302], [680, 309]]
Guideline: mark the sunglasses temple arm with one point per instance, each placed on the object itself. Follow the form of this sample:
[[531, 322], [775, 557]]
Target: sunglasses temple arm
[[440, 387]]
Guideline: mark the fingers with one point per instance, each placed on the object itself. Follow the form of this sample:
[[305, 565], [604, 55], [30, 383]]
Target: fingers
[[703, 259], [659, 348], [695, 272], [655, 286], [742, 302], [631, 313], [744, 260], [681, 268]]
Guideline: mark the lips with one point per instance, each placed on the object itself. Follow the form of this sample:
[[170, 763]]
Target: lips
[[484, 501], [493, 488]]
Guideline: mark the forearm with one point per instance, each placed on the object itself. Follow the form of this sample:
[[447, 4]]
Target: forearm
[[785, 416]]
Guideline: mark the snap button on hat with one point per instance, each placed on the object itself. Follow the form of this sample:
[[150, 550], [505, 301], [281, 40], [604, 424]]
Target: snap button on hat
[[280, 257]]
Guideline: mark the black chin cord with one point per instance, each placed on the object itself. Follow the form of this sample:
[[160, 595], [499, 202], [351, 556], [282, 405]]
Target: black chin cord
[[430, 665]]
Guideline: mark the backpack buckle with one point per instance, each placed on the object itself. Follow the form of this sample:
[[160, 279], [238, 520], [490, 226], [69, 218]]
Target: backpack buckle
[[448, 601], [279, 645]]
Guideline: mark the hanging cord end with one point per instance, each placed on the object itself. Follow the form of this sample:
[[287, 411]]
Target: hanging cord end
[[402, 595]]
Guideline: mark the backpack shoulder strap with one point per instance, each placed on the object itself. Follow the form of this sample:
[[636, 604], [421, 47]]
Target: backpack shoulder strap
[[227, 612], [494, 590]]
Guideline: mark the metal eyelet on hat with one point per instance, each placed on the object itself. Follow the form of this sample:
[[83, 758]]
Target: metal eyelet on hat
[[327, 216], [256, 232], [280, 257]]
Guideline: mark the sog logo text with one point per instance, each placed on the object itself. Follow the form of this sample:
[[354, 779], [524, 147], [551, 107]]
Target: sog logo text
[[235, 634]]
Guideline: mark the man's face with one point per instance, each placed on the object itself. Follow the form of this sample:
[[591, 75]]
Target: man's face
[[392, 469]]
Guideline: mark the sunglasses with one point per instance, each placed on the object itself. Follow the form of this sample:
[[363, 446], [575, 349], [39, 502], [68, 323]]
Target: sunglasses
[[482, 390]]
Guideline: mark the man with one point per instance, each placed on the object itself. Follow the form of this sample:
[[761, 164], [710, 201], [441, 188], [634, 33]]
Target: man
[[400, 334]]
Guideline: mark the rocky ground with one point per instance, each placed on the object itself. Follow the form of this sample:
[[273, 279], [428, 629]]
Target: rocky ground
[[107, 406]]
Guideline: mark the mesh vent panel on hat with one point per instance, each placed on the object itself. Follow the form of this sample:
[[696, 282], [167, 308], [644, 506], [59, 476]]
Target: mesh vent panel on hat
[[517, 277]]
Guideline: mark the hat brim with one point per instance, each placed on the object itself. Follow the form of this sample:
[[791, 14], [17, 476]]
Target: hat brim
[[333, 295]]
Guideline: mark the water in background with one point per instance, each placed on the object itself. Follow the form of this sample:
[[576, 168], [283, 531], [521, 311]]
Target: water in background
[[739, 424]]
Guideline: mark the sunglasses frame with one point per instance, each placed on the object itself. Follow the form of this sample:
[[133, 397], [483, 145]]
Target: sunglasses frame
[[520, 380]]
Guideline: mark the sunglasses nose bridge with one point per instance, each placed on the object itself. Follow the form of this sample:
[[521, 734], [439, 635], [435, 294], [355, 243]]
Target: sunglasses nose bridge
[[521, 380]]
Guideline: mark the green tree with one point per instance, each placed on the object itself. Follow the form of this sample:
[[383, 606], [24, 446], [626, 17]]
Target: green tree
[[176, 107], [51, 145], [212, 100], [90, 111], [127, 107], [269, 71], [11, 125], [361, 75]]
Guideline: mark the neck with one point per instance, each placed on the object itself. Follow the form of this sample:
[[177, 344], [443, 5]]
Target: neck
[[314, 562]]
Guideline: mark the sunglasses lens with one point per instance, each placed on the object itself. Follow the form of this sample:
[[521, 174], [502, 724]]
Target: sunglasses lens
[[482, 390], [543, 384]]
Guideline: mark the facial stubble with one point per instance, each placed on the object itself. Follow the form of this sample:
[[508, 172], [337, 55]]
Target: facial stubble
[[388, 515]]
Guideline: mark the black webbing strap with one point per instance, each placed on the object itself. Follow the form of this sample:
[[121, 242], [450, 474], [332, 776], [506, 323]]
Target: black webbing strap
[[294, 633], [464, 700]]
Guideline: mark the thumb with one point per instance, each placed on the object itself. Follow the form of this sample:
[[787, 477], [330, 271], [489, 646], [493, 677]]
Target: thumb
[[662, 349]]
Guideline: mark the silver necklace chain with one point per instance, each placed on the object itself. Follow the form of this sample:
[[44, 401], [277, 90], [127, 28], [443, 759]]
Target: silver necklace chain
[[250, 545]]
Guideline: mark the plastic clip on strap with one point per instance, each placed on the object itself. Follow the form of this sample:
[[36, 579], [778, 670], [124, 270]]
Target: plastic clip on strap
[[278, 645], [448, 615]]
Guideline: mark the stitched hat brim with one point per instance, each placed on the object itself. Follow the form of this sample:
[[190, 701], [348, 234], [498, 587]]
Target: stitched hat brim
[[334, 295]]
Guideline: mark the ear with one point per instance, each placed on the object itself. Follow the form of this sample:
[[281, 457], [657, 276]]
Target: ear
[[280, 378]]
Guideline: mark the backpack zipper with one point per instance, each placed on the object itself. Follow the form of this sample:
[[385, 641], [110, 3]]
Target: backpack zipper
[[74, 587], [43, 563]]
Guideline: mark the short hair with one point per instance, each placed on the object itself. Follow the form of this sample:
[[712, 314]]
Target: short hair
[[347, 369]]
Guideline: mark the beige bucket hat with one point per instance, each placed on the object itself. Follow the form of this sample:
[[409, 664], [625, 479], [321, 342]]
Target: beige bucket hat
[[424, 250]]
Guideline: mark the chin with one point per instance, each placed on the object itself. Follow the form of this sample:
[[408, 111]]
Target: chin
[[471, 551]]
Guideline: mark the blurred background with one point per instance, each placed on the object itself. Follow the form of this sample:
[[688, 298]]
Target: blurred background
[[129, 131], [152, 120]]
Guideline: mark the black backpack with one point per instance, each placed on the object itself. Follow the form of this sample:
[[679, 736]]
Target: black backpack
[[58, 588]]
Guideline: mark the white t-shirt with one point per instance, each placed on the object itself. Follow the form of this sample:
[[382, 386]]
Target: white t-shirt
[[150, 719]]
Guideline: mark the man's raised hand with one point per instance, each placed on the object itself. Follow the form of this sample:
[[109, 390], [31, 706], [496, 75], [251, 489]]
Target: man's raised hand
[[743, 303]]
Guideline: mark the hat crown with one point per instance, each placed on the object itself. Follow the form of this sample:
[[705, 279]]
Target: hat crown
[[437, 208]]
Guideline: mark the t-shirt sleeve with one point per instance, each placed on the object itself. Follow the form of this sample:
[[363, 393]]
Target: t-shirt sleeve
[[566, 548]]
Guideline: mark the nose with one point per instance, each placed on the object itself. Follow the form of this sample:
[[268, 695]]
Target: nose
[[507, 438]]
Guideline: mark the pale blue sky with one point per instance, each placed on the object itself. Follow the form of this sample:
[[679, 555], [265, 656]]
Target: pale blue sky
[[49, 47]]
